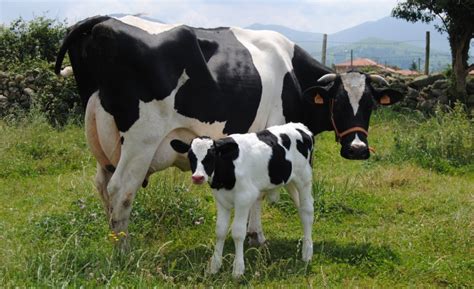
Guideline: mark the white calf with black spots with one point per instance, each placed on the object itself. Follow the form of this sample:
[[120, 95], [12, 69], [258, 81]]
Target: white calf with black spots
[[242, 168]]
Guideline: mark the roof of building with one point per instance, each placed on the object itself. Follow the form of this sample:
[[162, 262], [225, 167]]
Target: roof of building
[[358, 62], [367, 62]]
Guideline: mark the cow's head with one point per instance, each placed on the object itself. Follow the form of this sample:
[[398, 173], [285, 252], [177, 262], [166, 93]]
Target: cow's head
[[349, 98], [205, 155]]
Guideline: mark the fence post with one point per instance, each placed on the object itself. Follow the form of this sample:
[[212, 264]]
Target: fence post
[[427, 54], [323, 52]]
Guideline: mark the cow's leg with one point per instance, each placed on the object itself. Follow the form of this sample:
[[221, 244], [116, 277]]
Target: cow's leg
[[102, 179], [306, 212], [222, 226], [137, 154], [254, 229]]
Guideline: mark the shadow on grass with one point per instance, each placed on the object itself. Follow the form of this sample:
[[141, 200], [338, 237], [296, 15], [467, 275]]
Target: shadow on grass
[[280, 258]]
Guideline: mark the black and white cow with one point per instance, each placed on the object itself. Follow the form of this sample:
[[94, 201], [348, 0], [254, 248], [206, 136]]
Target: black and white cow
[[242, 168], [146, 83]]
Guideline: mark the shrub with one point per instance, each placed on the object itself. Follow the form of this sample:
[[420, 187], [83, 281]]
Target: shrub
[[37, 39], [27, 50], [443, 142]]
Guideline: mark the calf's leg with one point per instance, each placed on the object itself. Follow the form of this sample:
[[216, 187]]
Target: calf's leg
[[255, 230], [241, 215], [222, 226], [306, 212]]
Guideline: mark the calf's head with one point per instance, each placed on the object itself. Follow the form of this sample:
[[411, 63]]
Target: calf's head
[[349, 99], [206, 155]]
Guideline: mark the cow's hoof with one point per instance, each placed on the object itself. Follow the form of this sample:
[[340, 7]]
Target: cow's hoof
[[215, 265], [238, 270], [256, 239]]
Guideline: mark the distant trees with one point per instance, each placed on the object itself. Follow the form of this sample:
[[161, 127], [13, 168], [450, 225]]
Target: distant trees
[[413, 66], [457, 18]]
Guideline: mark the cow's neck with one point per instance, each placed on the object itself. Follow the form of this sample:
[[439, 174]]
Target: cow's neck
[[307, 70]]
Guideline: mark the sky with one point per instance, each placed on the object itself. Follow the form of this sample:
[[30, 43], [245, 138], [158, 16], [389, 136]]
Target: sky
[[324, 16]]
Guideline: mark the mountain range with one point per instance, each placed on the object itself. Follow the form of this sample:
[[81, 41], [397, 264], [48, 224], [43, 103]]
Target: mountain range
[[390, 41]]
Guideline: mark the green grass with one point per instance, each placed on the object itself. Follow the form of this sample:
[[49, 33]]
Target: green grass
[[395, 220]]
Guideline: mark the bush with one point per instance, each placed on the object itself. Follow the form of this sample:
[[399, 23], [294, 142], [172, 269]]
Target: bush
[[443, 142], [27, 80], [38, 39]]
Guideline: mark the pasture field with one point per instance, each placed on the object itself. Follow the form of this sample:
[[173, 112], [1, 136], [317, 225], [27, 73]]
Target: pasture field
[[404, 218]]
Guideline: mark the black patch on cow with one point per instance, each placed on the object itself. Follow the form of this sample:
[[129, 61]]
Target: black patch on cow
[[279, 168], [306, 71], [290, 96], [226, 151], [121, 140], [234, 93], [132, 65], [305, 147], [285, 139], [110, 168]]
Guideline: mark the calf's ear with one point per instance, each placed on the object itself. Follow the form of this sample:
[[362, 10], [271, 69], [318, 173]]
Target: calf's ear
[[227, 149], [387, 96], [180, 146]]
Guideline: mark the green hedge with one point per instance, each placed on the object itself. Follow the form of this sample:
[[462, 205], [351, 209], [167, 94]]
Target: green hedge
[[27, 81]]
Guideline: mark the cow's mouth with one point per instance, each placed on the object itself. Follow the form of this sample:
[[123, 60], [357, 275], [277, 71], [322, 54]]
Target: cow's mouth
[[198, 182], [350, 153]]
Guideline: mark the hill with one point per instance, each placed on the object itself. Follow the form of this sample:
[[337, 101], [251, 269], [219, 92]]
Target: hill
[[387, 40], [388, 53]]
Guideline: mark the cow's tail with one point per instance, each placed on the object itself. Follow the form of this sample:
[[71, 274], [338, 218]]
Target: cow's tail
[[74, 33]]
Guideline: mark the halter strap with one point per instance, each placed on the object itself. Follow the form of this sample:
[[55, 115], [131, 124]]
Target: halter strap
[[340, 135]]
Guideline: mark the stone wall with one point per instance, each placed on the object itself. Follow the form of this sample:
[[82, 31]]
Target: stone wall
[[425, 92]]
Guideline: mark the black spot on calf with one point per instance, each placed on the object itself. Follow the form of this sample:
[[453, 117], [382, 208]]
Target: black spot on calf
[[305, 147], [279, 168], [285, 139], [226, 151]]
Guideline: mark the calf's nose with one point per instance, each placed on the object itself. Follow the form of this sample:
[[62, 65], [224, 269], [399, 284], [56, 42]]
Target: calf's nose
[[198, 179]]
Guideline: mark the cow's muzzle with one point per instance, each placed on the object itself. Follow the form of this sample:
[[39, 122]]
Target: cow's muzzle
[[355, 153], [198, 180]]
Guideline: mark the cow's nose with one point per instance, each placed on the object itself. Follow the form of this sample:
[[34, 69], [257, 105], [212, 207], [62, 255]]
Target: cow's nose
[[198, 179], [358, 146]]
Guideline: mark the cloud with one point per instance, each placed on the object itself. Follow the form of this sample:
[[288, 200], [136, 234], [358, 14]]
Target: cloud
[[310, 15]]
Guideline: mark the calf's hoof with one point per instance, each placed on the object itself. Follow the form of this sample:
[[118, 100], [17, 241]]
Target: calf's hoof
[[307, 252]]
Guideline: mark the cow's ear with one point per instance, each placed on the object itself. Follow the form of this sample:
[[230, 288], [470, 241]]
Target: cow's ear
[[227, 149], [317, 94], [387, 96], [180, 146]]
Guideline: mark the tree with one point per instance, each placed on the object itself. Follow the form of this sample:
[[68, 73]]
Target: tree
[[457, 18]]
